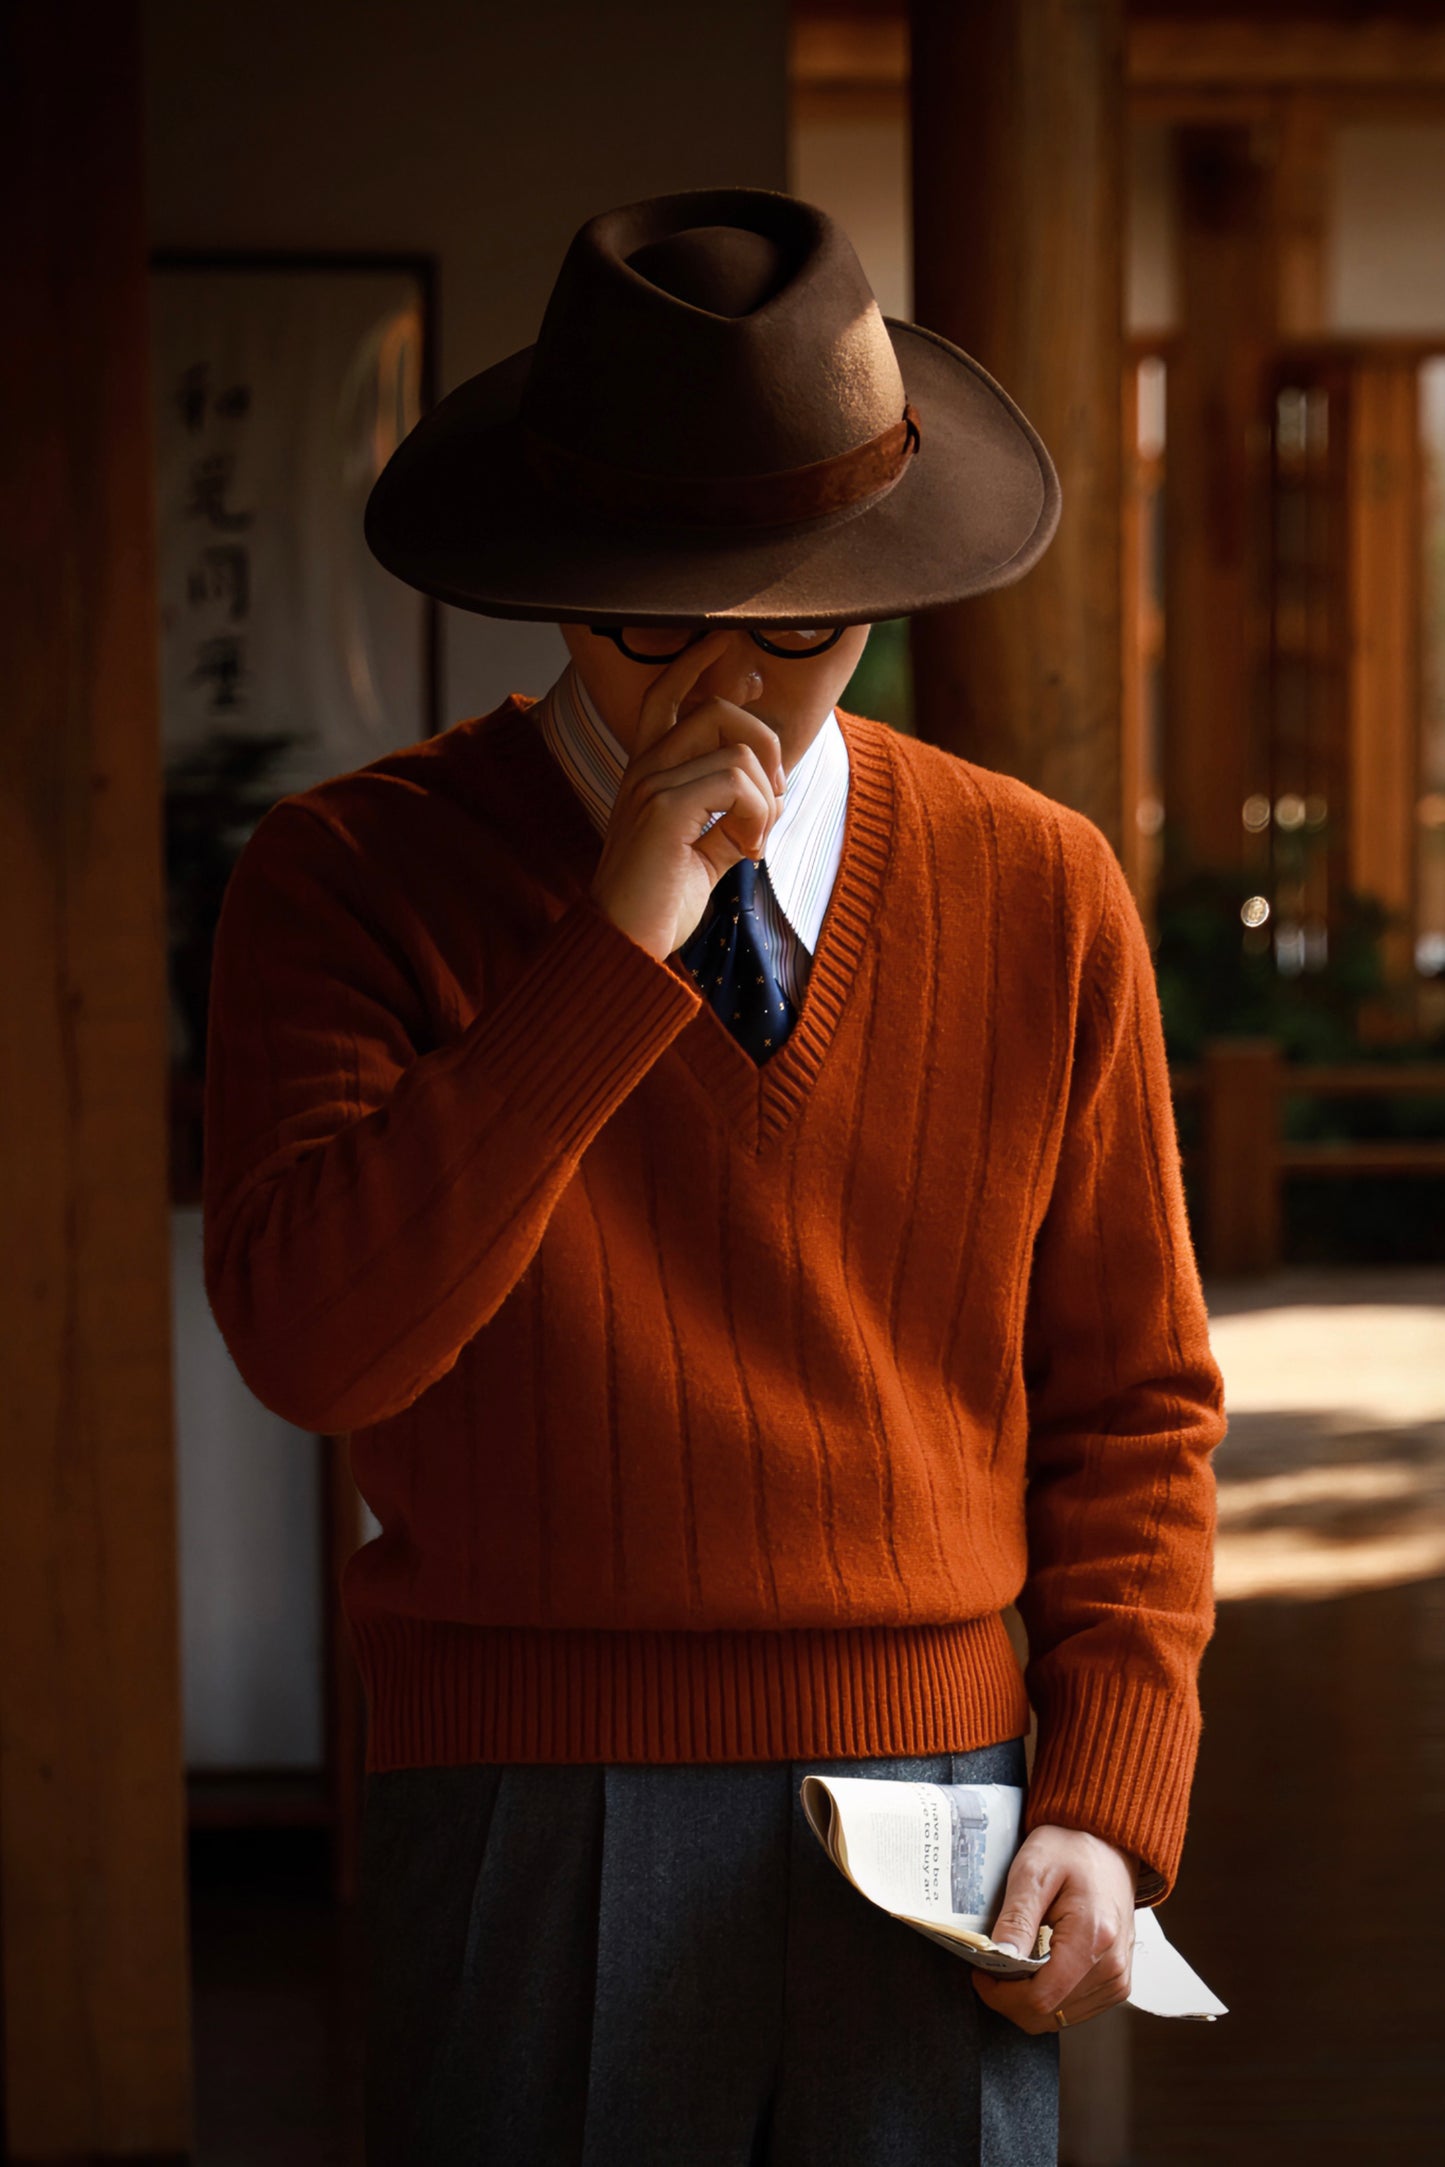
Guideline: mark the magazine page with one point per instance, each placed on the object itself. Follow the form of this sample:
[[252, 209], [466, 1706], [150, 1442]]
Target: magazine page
[[937, 1855], [934, 1852], [909, 1846]]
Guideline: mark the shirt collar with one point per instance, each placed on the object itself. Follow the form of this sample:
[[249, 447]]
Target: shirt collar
[[593, 761]]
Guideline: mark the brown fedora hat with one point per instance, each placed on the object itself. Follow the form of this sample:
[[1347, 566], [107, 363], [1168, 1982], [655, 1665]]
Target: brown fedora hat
[[716, 420]]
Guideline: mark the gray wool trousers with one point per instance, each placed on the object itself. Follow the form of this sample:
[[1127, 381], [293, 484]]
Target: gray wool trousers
[[658, 1966]]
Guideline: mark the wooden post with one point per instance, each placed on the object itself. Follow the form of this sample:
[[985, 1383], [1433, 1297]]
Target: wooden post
[[93, 1954], [345, 1701], [1241, 1124], [1018, 123], [1018, 127], [1216, 494], [1253, 217], [1142, 603], [1304, 142], [1384, 652]]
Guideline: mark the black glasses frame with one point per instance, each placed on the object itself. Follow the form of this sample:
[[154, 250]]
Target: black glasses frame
[[788, 654]]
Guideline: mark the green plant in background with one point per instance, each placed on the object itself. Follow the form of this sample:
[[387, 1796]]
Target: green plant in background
[[214, 795], [882, 685], [1218, 978], [1216, 982]]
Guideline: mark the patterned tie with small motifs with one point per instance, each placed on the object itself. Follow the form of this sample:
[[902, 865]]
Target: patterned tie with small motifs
[[727, 958]]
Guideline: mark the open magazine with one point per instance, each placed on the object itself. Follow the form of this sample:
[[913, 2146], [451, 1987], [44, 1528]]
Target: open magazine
[[937, 1855]]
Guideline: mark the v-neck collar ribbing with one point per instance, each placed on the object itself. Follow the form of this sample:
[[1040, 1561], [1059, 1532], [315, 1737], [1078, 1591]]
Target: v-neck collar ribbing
[[760, 1101]]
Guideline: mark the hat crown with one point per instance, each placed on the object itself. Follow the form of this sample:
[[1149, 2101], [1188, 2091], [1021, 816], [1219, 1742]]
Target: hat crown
[[726, 270], [711, 333]]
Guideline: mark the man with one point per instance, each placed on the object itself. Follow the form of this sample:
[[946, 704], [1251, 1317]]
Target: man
[[715, 1158]]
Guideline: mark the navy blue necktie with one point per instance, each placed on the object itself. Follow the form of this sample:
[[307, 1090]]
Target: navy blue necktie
[[727, 958]]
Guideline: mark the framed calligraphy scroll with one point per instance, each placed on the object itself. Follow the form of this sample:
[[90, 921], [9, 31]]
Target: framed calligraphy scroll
[[281, 383]]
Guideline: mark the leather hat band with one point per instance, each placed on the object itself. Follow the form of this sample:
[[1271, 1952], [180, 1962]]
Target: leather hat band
[[727, 500]]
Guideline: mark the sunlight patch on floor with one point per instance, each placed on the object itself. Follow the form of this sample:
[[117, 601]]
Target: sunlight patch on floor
[[1332, 1477]]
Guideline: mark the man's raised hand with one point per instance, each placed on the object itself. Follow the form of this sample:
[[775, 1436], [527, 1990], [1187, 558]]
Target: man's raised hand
[[657, 867]]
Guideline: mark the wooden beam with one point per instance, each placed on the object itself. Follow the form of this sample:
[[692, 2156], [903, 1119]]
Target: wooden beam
[[1018, 220], [1263, 52], [1401, 1156], [1222, 105], [93, 1945], [1258, 51], [850, 101], [828, 54]]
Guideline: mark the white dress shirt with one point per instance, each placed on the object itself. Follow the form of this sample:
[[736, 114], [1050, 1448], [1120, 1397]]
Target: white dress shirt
[[803, 849]]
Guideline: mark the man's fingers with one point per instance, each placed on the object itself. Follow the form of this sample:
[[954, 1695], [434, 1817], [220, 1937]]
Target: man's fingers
[[716, 721], [666, 694], [1105, 1986], [1071, 1959], [1092, 2001], [1080, 1977], [1077, 2008], [748, 807], [715, 760]]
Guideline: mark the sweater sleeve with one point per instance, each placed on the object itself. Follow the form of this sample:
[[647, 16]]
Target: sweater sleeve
[[368, 1205], [1126, 1405]]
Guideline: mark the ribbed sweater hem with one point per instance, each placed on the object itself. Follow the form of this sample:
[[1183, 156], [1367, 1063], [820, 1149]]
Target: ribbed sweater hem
[[442, 1693]]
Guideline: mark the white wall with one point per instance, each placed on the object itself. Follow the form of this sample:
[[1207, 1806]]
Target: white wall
[[249, 1507], [1151, 300], [858, 170], [484, 134], [1387, 268]]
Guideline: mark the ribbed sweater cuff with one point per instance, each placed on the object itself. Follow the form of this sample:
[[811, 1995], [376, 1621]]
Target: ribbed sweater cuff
[[592, 1015], [1115, 1756]]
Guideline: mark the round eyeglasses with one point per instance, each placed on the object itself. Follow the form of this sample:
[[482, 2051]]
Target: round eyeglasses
[[664, 643]]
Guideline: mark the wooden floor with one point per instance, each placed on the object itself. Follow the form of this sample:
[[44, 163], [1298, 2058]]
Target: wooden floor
[[1312, 1894], [1314, 1869]]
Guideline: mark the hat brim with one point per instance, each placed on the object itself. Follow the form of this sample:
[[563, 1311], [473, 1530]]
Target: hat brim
[[457, 513]]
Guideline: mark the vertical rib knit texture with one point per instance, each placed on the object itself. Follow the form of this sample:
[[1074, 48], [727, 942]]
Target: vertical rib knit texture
[[709, 1411]]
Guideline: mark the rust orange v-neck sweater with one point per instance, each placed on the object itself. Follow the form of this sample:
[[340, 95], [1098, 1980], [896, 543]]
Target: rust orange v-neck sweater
[[713, 1412]]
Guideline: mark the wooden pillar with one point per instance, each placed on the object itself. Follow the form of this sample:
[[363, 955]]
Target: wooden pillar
[[345, 1699], [1142, 603], [1384, 655], [1253, 202], [1303, 148], [1242, 1081], [1018, 122], [1216, 495], [93, 1954]]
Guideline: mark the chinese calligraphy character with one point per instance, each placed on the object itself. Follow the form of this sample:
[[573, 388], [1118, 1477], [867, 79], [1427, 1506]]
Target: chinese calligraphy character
[[210, 479], [222, 575], [220, 665]]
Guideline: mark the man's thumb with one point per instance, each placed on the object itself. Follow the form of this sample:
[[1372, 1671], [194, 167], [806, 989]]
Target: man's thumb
[[1016, 1928]]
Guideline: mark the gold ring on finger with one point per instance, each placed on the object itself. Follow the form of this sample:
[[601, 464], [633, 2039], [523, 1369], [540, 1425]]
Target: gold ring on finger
[[1060, 2019]]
